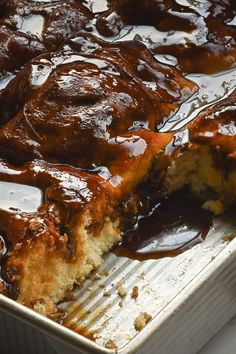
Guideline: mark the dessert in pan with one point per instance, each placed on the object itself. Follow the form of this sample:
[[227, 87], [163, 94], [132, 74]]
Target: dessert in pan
[[28, 28], [79, 139]]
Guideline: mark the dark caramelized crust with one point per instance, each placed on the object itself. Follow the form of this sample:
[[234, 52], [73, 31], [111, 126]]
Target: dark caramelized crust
[[205, 40], [77, 102], [29, 28]]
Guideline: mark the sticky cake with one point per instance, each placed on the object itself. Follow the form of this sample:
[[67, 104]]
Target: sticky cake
[[207, 161], [78, 135], [95, 113], [28, 28]]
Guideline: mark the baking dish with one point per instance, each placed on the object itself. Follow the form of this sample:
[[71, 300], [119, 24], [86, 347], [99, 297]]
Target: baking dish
[[189, 298]]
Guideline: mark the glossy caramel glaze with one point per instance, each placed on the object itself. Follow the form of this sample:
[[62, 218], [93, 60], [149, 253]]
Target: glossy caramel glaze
[[28, 28], [78, 127], [80, 124], [164, 227], [86, 99], [202, 35]]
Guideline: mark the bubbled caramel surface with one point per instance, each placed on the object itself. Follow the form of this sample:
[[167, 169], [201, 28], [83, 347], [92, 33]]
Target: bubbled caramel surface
[[200, 34]]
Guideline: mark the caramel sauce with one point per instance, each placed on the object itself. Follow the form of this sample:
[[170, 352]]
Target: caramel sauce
[[29, 28], [92, 335], [173, 225], [201, 35]]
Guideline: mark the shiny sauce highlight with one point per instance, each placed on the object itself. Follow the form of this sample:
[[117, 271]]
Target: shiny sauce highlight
[[171, 226]]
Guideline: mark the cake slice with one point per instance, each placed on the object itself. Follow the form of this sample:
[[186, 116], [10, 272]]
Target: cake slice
[[77, 99], [208, 160], [81, 140]]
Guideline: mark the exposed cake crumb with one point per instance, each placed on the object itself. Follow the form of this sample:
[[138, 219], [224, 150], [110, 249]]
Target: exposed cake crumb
[[107, 293], [121, 290], [111, 344], [141, 321], [98, 276], [134, 293]]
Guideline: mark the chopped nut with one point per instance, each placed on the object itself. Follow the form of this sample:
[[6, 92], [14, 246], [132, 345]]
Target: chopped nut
[[134, 293], [121, 290], [111, 344], [141, 321]]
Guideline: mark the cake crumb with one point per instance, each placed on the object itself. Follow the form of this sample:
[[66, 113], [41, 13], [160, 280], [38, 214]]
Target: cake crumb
[[141, 321], [121, 290], [106, 274], [141, 275], [134, 293], [111, 344], [102, 286], [107, 293], [98, 276]]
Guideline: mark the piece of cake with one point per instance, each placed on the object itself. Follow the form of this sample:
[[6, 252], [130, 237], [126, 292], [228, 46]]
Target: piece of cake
[[29, 28], [75, 102], [78, 138], [207, 161], [82, 137]]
